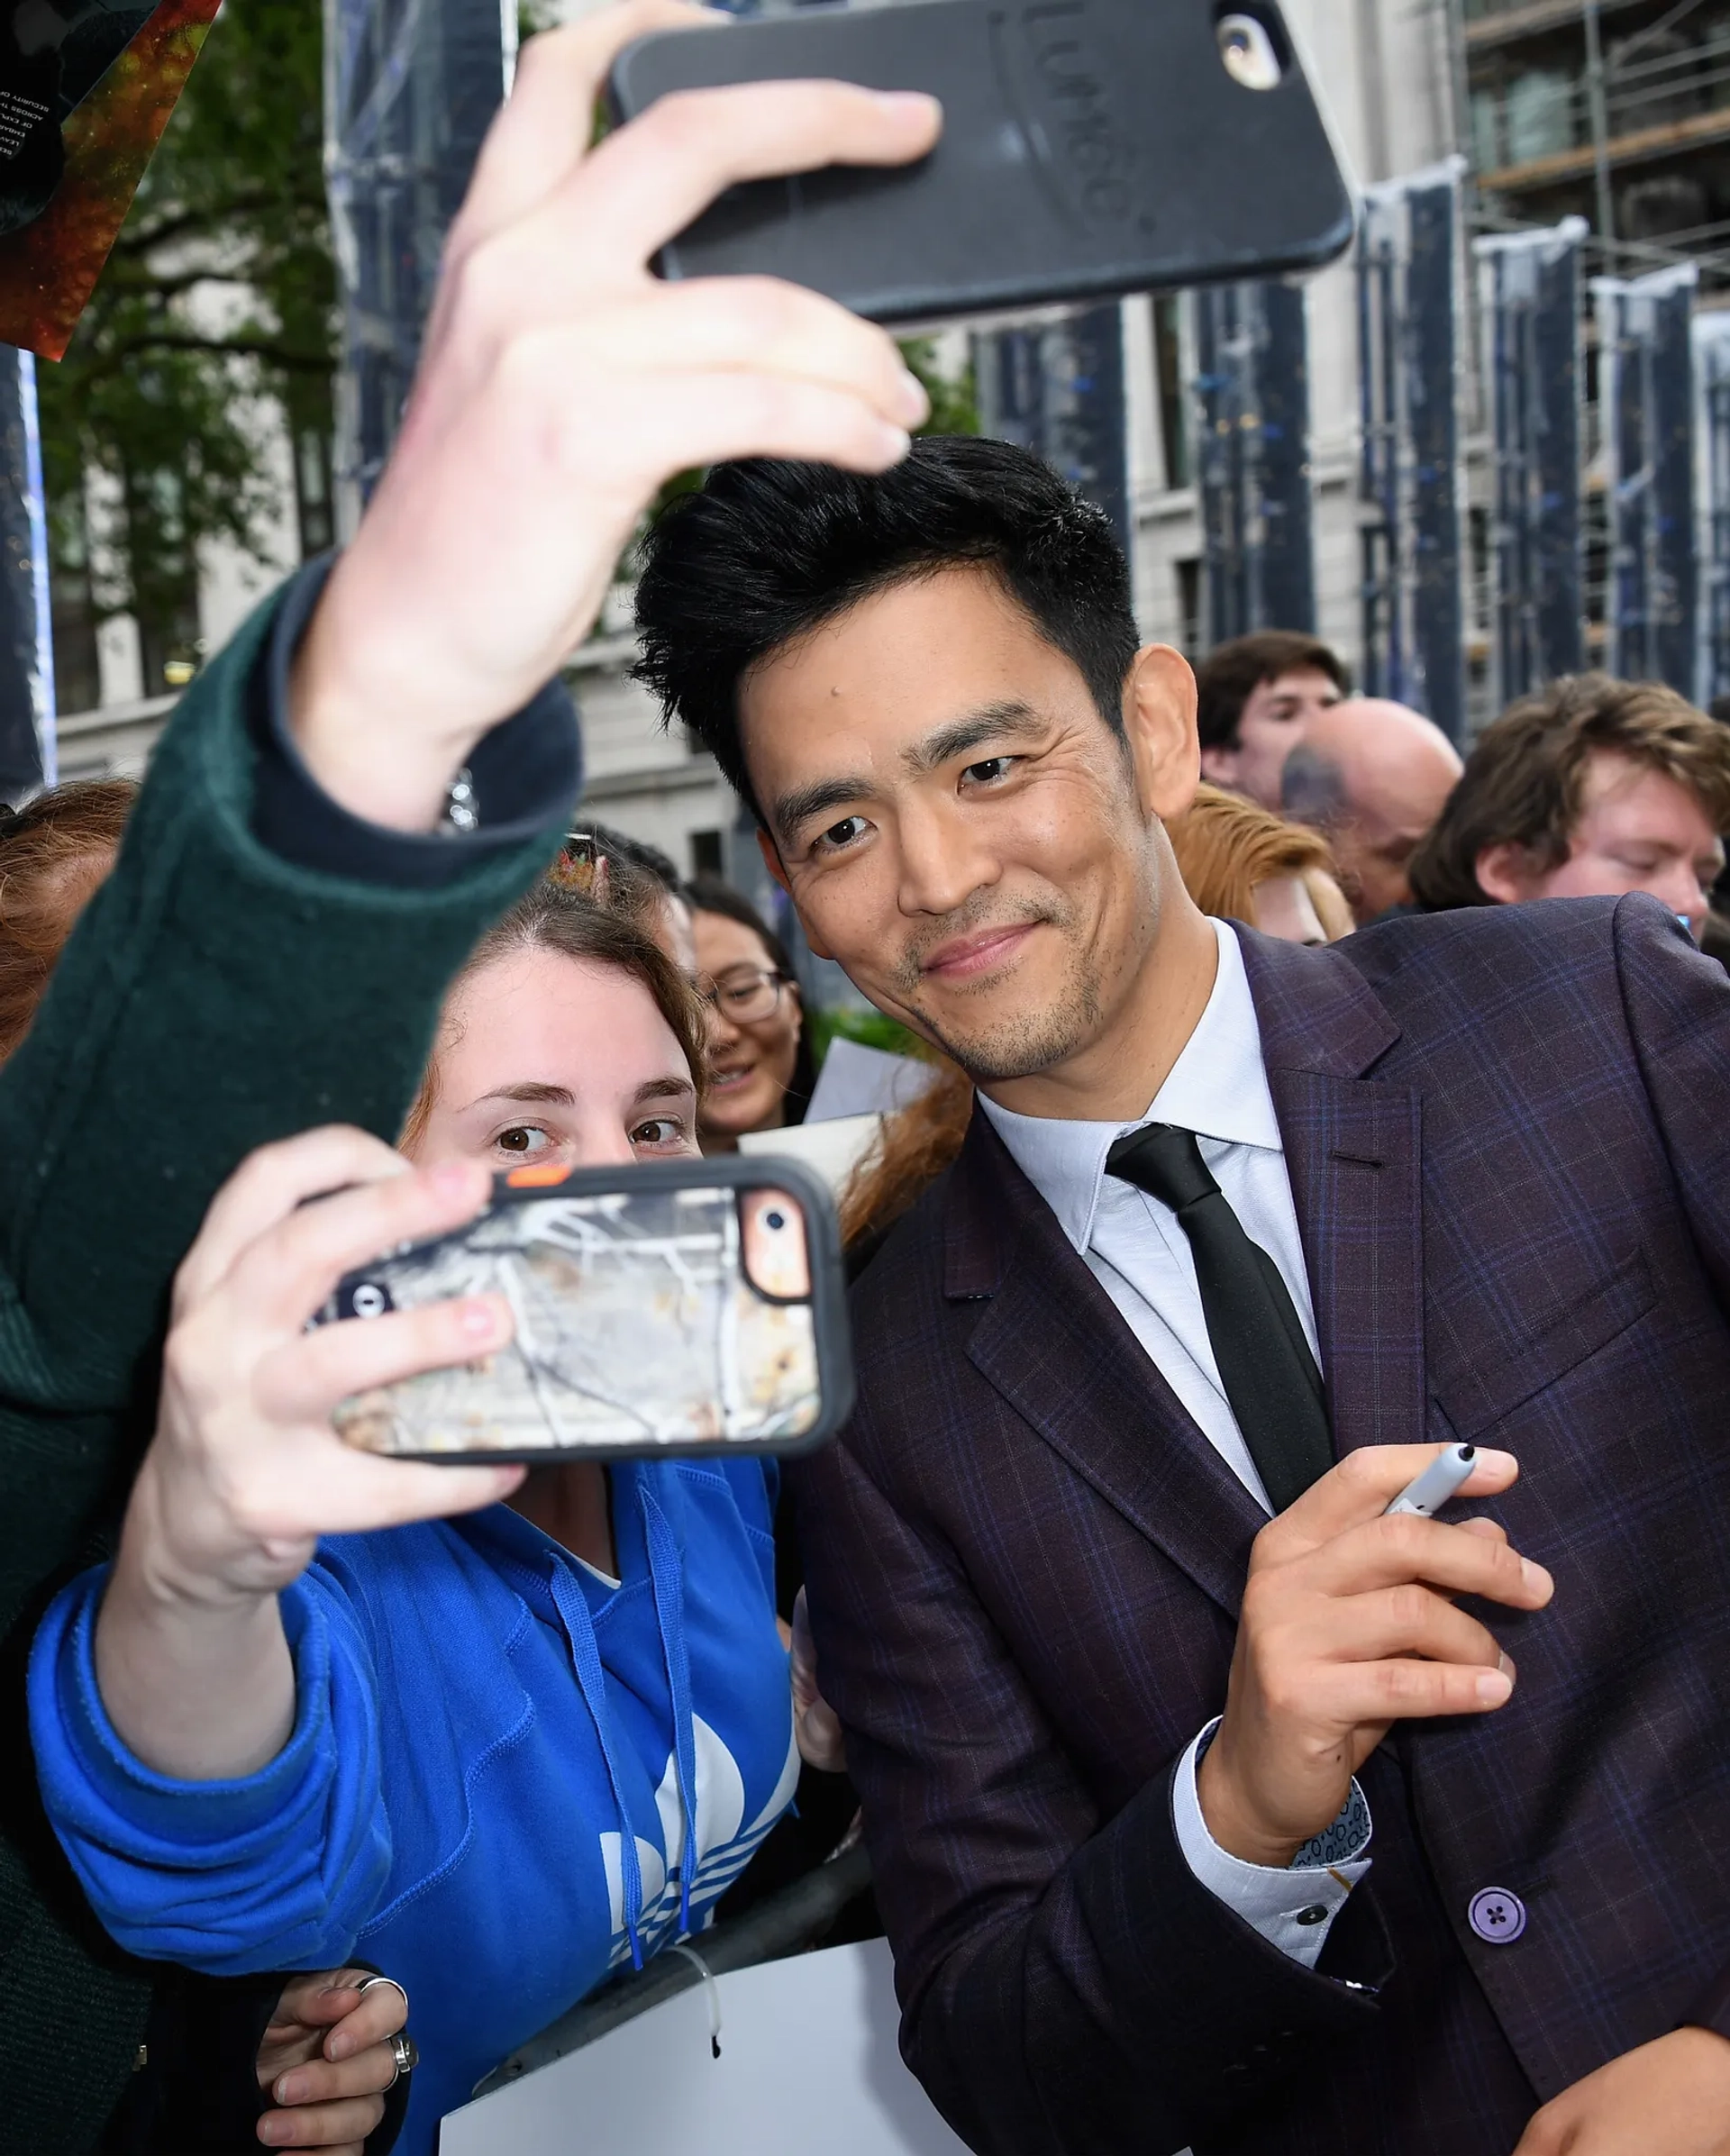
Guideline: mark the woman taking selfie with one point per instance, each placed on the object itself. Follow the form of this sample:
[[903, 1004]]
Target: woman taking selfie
[[505, 1753], [219, 2060], [761, 1070]]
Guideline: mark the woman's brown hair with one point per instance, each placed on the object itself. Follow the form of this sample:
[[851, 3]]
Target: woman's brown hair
[[918, 1143], [1226, 846], [53, 856], [554, 917]]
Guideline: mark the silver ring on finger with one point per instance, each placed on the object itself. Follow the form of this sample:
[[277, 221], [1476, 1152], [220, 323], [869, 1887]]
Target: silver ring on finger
[[367, 1983], [402, 2050]]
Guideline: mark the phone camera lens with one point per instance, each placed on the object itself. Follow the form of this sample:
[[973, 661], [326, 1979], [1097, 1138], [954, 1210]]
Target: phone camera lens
[[775, 1219], [368, 1301], [1249, 53]]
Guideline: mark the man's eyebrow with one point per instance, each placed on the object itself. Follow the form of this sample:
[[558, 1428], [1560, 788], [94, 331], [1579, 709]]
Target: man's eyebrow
[[990, 721], [1011, 716], [805, 802]]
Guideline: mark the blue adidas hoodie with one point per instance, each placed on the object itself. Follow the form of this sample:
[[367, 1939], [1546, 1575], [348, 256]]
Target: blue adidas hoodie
[[508, 1776]]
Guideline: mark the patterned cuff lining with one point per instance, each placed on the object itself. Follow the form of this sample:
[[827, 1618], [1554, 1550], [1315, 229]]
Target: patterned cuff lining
[[1341, 1841]]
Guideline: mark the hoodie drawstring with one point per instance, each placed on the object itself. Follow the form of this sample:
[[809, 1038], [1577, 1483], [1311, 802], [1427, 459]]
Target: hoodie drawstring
[[667, 1572], [591, 1681]]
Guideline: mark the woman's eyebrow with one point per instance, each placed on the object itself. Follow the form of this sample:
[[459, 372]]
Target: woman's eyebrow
[[528, 1089], [665, 1089]]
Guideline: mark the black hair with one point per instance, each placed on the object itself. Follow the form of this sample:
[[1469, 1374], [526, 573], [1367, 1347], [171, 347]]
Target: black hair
[[766, 551], [710, 894]]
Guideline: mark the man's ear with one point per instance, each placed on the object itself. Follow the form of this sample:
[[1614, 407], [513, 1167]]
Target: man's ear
[[773, 863], [1159, 721], [1219, 766], [1503, 873]]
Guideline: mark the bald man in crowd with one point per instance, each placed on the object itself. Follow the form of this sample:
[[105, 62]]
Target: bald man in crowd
[[1374, 776]]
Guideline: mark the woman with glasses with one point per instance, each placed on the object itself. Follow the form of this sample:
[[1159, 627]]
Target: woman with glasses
[[761, 1071]]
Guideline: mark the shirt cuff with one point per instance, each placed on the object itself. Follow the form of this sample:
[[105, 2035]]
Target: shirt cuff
[[1292, 1909], [526, 775]]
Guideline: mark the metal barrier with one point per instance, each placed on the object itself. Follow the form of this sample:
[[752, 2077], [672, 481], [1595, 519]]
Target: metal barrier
[[786, 1924]]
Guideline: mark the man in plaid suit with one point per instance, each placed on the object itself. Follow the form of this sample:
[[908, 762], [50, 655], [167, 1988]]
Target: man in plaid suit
[[1323, 1832]]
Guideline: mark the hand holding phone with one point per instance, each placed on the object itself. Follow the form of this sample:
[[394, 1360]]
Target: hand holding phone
[[559, 385]]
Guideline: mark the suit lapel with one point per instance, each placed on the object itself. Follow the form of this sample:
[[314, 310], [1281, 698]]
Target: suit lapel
[[1054, 1345], [1353, 1152]]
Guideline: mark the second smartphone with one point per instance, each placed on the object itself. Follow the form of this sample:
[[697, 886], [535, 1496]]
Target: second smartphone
[[1089, 148]]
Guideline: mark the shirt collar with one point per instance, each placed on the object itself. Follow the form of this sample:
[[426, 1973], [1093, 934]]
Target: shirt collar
[[1218, 1087]]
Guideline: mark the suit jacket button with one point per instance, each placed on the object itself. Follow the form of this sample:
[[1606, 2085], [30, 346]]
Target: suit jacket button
[[1498, 1917]]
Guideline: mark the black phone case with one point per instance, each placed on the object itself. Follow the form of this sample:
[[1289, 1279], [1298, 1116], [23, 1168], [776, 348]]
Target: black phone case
[[827, 1301], [1089, 148]]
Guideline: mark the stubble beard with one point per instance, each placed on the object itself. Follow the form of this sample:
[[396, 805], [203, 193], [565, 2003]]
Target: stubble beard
[[1017, 1043]]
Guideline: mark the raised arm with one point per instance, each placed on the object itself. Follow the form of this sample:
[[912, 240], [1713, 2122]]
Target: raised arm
[[205, 1658], [271, 951]]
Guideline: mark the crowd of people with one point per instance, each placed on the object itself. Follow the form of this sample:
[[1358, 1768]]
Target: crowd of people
[[1304, 1100]]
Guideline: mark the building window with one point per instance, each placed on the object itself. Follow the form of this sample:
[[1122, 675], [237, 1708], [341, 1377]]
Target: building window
[[706, 853], [1168, 372], [1189, 576]]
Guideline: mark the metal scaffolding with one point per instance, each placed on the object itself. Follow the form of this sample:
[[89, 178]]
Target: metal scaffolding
[[1251, 392], [1529, 309], [1646, 396], [1055, 385], [1410, 482], [26, 646], [410, 88]]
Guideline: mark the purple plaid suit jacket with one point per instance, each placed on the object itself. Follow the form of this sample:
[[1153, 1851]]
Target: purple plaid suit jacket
[[1508, 1137]]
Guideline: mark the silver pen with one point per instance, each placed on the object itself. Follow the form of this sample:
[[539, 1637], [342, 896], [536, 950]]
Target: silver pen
[[1427, 1493]]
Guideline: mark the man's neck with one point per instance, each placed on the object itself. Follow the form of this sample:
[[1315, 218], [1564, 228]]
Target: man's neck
[[1114, 1076]]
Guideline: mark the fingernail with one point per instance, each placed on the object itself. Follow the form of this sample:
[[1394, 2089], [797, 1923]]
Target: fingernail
[[894, 443], [1506, 1664], [1533, 1578], [1494, 1688], [338, 2045], [478, 1318], [911, 100], [275, 2131], [911, 400], [289, 2090], [1497, 1462]]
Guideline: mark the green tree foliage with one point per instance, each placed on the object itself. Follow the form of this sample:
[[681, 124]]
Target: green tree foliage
[[955, 408], [220, 287]]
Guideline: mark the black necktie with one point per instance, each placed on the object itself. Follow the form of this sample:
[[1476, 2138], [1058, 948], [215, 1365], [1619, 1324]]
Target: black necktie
[[1265, 1365]]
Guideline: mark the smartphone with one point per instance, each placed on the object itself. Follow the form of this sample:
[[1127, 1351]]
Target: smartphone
[[1089, 148], [679, 1307]]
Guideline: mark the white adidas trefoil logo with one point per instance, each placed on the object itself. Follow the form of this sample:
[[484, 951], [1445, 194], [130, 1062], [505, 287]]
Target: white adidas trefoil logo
[[724, 1845]]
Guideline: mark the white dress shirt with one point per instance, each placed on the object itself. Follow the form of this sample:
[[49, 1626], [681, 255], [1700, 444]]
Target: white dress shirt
[[1141, 1256]]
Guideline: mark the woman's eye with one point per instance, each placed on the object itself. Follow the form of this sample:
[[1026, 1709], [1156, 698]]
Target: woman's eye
[[992, 769], [847, 832], [659, 1130], [522, 1138]]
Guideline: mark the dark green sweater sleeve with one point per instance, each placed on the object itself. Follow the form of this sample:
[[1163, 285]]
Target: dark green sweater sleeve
[[213, 997]]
